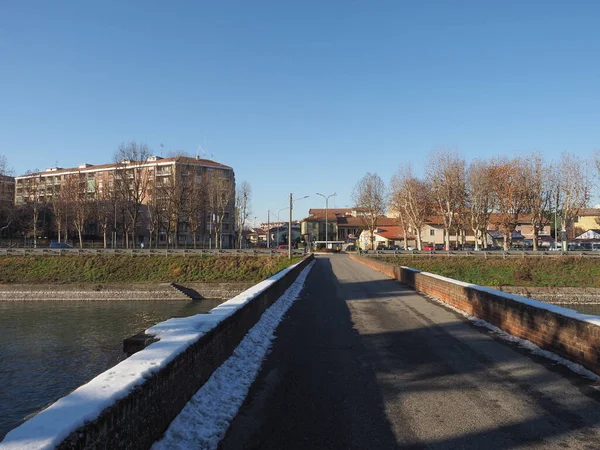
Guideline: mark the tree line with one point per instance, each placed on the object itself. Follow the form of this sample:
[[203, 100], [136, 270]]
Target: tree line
[[190, 200], [485, 194]]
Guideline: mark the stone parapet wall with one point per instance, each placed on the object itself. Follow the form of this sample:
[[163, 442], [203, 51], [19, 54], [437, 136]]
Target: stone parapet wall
[[571, 335]]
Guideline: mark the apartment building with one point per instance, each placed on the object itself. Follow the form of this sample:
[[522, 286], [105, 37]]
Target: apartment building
[[159, 186], [7, 190]]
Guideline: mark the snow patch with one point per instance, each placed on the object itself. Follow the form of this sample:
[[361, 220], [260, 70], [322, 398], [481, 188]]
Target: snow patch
[[205, 419]]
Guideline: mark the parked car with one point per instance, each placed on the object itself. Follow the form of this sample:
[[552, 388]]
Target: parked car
[[282, 247], [428, 248], [60, 245]]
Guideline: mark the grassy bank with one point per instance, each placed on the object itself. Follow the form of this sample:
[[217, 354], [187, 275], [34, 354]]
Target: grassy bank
[[555, 272], [125, 269]]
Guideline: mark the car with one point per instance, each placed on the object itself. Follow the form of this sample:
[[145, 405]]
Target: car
[[429, 248], [60, 245], [282, 247]]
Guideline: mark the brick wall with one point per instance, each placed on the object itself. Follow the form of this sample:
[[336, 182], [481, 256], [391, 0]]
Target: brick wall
[[569, 337], [138, 420]]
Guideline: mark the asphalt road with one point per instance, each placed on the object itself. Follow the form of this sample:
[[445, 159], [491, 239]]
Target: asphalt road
[[363, 362]]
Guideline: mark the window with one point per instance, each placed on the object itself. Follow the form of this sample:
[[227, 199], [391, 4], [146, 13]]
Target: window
[[431, 232]]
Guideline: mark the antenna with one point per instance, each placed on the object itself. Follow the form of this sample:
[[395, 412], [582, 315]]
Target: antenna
[[198, 151], [162, 146]]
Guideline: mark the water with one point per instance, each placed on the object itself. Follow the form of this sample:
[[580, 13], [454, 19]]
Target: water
[[48, 349], [584, 308]]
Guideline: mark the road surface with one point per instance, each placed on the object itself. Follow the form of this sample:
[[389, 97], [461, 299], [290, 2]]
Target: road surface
[[363, 362]]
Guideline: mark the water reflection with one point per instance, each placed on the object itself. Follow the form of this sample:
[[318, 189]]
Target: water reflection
[[47, 349]]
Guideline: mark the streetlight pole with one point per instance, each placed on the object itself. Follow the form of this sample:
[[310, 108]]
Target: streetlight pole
[[268, 228], [326, 197], [290, 224]]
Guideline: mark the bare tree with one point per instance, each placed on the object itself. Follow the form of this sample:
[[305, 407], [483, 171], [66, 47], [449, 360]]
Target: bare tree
[[131, 183], [509, 188], [4, 168], [59, 205], [538, 193], [419, 205], [447, 177], [7, 217], [103, 210], [174, 188], [398, 199], [480, 199], [370, 200], [157, 207], [243, 209], [574, 186], [35, 202], [195, 206], [221, 194], [75, 187]]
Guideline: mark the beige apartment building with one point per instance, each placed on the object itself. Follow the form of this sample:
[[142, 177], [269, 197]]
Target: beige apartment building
[[160, 179]]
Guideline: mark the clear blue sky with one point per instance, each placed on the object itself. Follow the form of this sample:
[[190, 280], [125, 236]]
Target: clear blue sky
[[298, 97]]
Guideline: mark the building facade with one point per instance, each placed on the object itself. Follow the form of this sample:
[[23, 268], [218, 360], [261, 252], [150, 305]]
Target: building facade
[[7, 190], [177, 201]]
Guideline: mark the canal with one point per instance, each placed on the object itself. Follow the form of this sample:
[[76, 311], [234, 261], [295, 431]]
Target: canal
[[48, 349]]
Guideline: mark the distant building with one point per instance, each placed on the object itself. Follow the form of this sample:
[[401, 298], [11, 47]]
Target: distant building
[[163, 180], [343, 224]]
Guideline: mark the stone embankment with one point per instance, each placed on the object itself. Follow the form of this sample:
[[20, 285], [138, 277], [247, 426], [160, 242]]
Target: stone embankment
[[556, 295], [83, 292]]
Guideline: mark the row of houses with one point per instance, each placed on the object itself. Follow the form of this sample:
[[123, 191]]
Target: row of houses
[[345, 224]]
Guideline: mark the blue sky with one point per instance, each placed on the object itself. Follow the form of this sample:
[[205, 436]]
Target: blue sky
[[298, 97]]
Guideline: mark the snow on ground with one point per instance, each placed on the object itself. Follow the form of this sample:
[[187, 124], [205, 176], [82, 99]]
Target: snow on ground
[[52, 425], [205, 419]]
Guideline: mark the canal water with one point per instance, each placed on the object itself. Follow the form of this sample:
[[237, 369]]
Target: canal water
[[48, 349]]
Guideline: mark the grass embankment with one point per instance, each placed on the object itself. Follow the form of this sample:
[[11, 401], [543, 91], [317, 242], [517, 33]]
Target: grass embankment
[[552, 272], [127, 269]]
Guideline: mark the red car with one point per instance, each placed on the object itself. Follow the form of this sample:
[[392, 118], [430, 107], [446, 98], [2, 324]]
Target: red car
[[429, 248], [282, 247]]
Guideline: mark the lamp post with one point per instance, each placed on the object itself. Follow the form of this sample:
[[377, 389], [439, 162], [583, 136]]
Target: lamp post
[[326, 197], [290, 224]]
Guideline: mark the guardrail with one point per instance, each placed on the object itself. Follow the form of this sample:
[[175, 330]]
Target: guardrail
[[483, 253], [145, 252]]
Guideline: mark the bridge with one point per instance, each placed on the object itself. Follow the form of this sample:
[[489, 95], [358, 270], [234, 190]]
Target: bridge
[[362, 361]]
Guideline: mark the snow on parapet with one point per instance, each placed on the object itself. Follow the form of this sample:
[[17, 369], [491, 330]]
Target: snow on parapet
[[566, 312], [51, 426]]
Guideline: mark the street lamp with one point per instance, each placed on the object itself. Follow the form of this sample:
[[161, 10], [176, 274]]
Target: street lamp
[[290, 224], [326, 197]]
